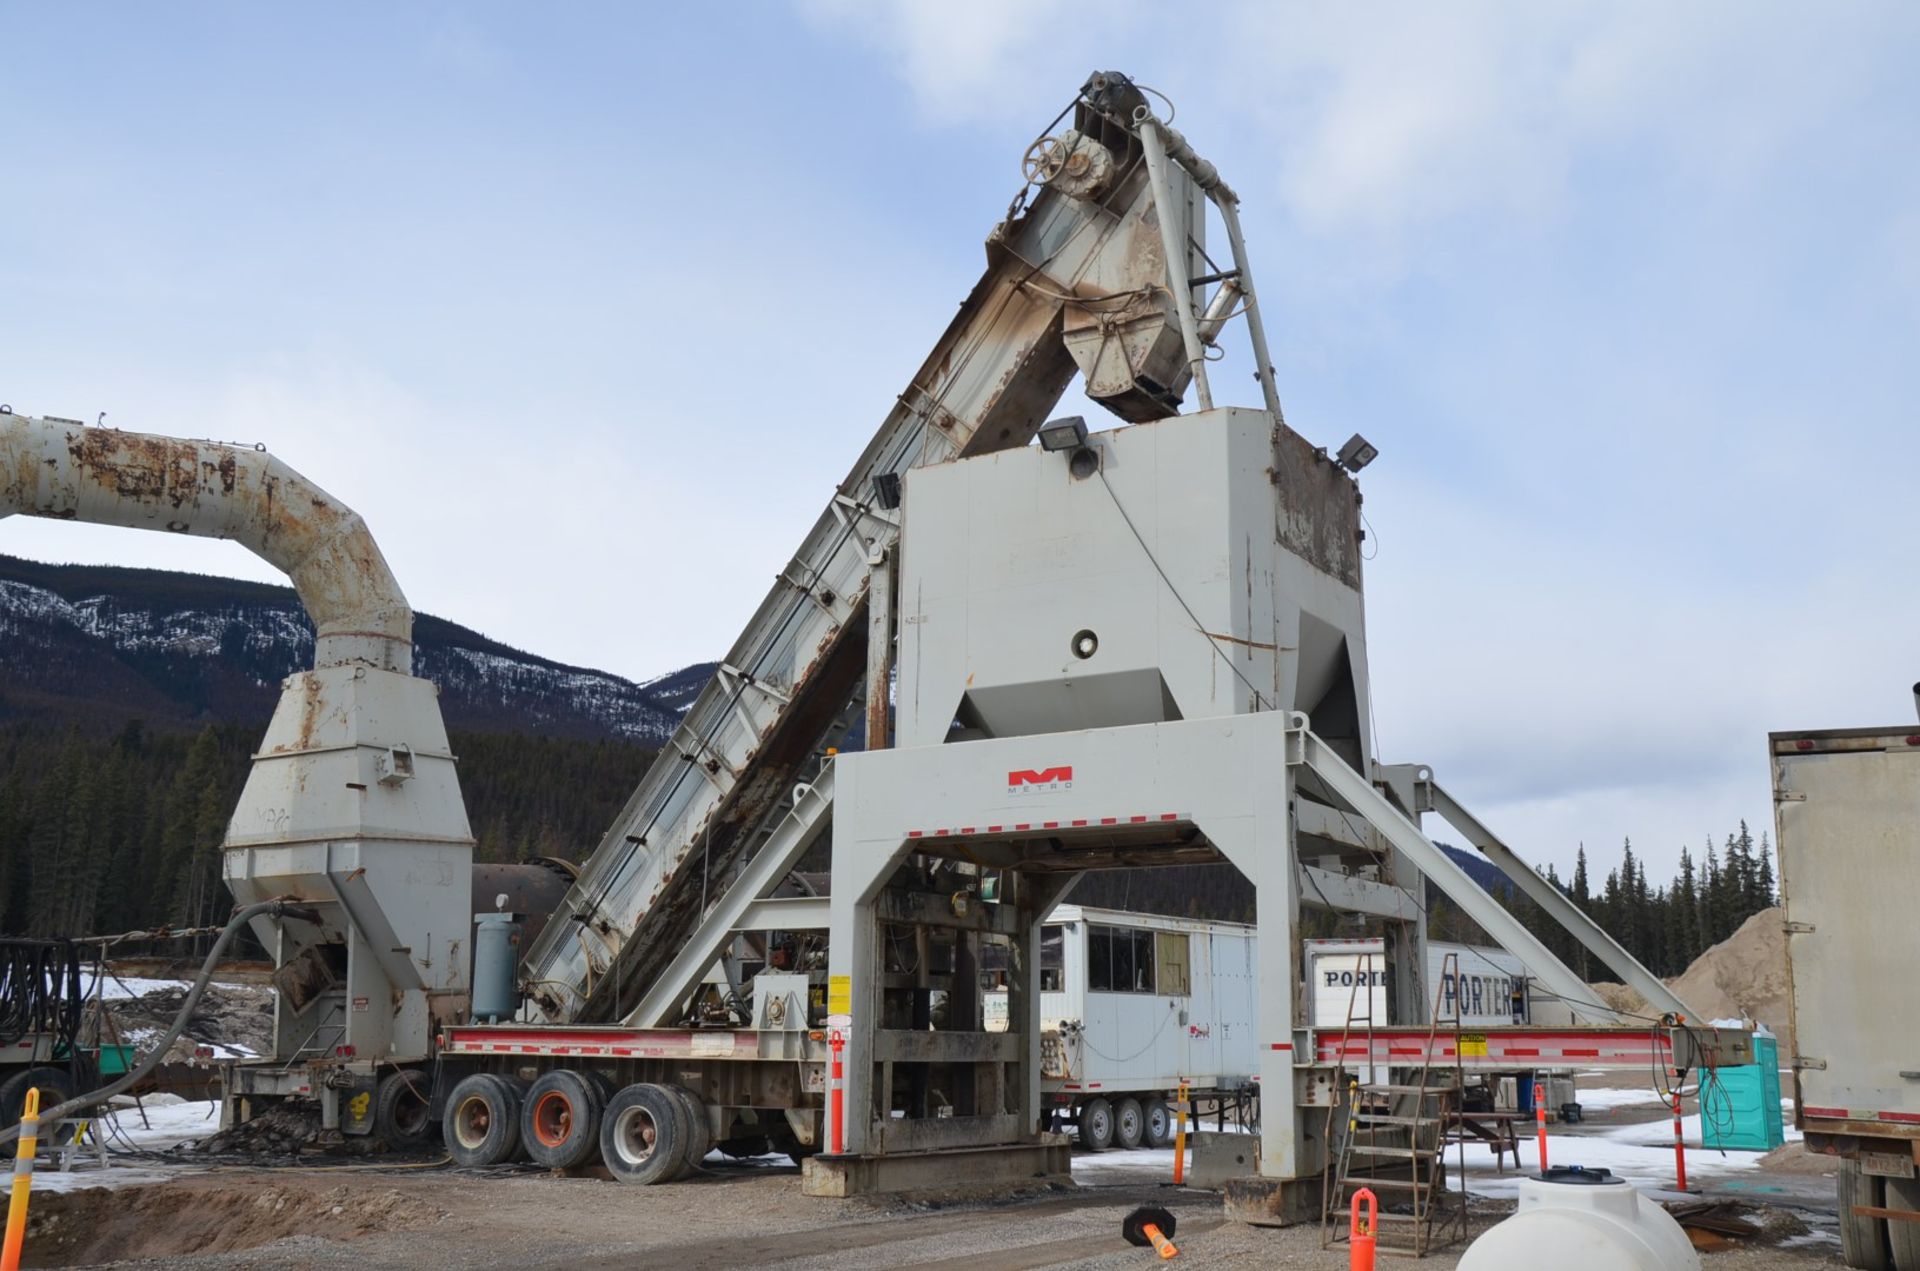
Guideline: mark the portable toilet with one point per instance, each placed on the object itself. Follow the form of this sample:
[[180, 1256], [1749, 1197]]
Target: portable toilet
[[1740, 1107]]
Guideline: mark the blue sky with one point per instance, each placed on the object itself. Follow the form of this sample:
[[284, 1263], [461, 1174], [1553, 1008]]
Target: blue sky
[[586, 308]]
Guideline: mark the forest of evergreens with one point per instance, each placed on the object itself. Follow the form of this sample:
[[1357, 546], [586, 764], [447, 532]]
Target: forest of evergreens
[[1664, 927], [103, 834]]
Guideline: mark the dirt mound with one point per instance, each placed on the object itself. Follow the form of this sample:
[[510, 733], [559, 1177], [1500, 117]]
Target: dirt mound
[[1744, 975], [287, 1130], [1793, 1158], [1620, 997], [236, 1018], [98, 1224]]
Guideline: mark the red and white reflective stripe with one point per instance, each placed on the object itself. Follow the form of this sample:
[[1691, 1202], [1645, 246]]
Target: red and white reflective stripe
[[612, 1043], [1862, 1114], [1525, 1048], [1023, 827]]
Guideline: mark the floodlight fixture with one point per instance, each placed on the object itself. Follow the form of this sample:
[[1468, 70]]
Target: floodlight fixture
[[1066, 433], [1357, 453]]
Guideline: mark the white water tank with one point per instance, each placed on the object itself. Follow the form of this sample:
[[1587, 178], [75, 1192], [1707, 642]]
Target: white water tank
[[1583, 1220]]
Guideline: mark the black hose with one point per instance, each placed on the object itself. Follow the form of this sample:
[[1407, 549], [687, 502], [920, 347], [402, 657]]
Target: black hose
[[40, 991], [94, 1098]]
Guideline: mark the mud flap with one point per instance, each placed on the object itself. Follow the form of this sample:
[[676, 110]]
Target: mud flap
[[357, 1106]]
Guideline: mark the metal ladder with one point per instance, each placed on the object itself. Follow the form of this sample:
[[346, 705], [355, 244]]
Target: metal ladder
[[1395, 1124]]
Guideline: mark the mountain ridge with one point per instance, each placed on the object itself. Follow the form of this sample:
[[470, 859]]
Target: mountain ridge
[[97, 644]]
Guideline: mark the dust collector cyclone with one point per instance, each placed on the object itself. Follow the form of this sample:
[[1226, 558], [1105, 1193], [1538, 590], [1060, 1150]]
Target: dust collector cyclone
[[352, 806], [1575, 1219]]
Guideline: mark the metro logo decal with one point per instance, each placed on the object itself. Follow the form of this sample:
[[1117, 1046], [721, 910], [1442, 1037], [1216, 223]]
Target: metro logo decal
[[1036, 780]]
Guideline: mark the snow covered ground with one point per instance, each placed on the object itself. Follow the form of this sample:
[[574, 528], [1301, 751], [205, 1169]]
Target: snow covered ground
[[123, 988], [1641, 1152], [168, 1120], [115, 988]]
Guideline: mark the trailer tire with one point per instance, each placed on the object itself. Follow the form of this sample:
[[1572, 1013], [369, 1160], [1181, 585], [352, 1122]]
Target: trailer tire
[[560, 1119], [1863, 1240], [643, 1136], [403, 1111], [55, 1085], [1904, 1236], [1096, 1125], [699, 1128], [1159, 1123], [482, 1121], [1129, 1124]]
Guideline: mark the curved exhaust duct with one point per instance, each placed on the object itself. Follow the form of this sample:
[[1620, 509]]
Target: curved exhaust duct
[[65, 470], [352, 805]]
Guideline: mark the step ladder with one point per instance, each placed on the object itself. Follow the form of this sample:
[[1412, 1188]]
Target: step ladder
[[1388, 1130]]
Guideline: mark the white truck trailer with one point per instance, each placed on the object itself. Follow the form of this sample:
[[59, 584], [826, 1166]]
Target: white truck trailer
[[1133, 1006], [1847, 818], [1489, 985]]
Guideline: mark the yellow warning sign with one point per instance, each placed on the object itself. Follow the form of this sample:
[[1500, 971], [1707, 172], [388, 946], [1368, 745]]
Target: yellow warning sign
[[840, 995], [1473, 1045]]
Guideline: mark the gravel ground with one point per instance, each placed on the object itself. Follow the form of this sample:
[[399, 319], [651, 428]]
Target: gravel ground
[[364, 1217], [189, 1209]]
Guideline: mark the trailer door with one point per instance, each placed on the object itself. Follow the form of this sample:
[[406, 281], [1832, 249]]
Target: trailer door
[[1849, 831]]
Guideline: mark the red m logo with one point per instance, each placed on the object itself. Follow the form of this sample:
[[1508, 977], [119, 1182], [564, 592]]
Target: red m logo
[[1042, 777]]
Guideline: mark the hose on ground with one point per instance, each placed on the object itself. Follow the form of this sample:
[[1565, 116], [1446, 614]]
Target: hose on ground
[[94, 1098]]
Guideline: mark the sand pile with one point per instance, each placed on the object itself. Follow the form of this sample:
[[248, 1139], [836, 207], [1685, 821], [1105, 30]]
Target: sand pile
[[1744, 976]]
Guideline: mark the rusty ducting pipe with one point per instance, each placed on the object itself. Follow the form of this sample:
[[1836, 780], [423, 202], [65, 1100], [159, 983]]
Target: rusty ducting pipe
[[65, 470]]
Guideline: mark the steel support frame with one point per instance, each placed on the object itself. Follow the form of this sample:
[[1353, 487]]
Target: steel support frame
[[1226, 778], [1429, 794], [1358, 793], [742, 905]]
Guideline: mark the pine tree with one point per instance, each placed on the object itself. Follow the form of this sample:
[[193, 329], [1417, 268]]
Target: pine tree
[[184, 847], [1581, 896], [1709, 887], [1768, 897], [1685, 907]]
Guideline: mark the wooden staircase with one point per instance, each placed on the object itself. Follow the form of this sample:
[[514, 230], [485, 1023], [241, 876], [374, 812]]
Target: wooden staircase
[[1388, 1133]]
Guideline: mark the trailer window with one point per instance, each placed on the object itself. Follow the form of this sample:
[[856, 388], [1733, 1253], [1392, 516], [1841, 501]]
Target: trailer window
[[1053, 959], [1119, 960], [1172, 952]]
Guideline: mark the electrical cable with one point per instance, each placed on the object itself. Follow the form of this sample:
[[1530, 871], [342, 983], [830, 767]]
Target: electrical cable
[[137, 1073], [1136, 1054], [1260, 700]]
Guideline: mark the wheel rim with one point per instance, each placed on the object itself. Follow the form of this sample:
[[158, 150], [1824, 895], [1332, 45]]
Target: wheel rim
[[410, 1114], [1101, 1122], [1129, 1123], [472, 1121], [1157, 1122], [553, 1119], [634, 1136]]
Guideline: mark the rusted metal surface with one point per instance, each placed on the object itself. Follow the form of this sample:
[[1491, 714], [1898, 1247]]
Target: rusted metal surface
[[880, 606], [1319, 519], [67, 471]]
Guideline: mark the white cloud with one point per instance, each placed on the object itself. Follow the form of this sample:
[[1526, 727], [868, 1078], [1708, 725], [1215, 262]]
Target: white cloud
[[1383, 116], [981, 58]]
